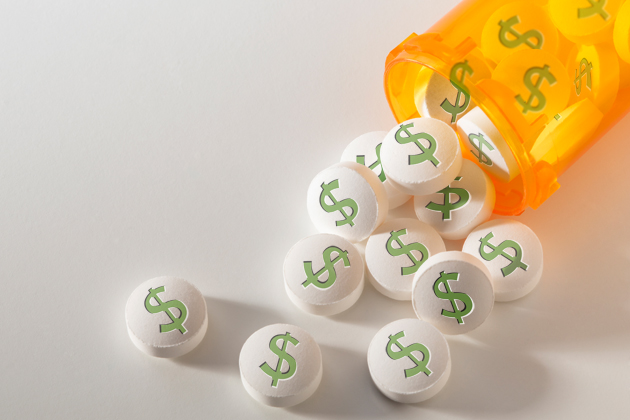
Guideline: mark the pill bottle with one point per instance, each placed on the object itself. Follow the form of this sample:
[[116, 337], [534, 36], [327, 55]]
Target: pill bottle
[[547, 123]]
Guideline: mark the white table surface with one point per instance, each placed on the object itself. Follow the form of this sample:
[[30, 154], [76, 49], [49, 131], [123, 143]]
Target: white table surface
[[152, 138]]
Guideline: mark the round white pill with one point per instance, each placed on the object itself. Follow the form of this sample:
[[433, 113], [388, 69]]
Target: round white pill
[[409, 360], [347, 199], [421, 156], [166, 317], [456, 210], [323, 274], [452, 290], [366, 150], [484, 145], [281, 365], [512, 253], [395, 252]]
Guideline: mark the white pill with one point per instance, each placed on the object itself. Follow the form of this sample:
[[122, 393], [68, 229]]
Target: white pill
[[421, 156], [484, 145], [366, 150], [460, 207], [281, 365], [347, 199], [166, 317], [323, 274], [409, 360], [452, 290], [395, 252], [511, 252]]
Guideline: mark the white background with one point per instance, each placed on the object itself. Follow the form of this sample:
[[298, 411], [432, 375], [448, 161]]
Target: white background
[[150, 138]]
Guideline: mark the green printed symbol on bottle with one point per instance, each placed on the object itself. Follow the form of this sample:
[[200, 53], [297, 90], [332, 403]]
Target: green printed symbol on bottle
[[277, 373], [427, 152], [481, 141], [361, 160], [453, 297], [518, 38], [338, 205], [448, 207], [421, 365], [515, 260], [534, 88], [406, 250], [458, 83], [329, 266], [596, 8], [177, 322], [585, 70]]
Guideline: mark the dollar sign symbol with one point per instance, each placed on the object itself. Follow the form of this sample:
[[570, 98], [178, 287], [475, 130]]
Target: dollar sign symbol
[[177, 322], [361, 160], [457, 313], [543, 73], [277, 373], [427, 152], [329, 266], [448, 207], [406, 250], [515, 261], [458, 83], [506, 28], [481, 141], [348, 202], [421, 365], [585, 69], [597, 8]]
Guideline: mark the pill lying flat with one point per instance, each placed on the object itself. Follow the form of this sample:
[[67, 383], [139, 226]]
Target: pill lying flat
[[452, 291], [281, 365], [395, 252], [323, 274], [166, 317], [511, 252], [409, 360], [347, 199], [366, 150], [421, 156]]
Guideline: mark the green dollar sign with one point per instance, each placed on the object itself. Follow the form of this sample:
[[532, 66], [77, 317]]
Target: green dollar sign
[[543, 73], [457, 313], [427, 152], [421, 365], [329, 266], [348, 202], [458, 83], [277, 373], [178, 322], [585, 70], [448, 207], [515, 261], [481, 141], [506, 28], [597, 8], [406, 250], [361, 160]]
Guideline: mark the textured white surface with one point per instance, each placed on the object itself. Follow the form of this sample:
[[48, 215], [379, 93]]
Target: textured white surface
[[158, 137]]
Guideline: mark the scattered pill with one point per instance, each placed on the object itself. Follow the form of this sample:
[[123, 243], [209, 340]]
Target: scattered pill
[[395, 252], [452, 290], [281, 365], [166, 317], [585, 22], [409, 360]]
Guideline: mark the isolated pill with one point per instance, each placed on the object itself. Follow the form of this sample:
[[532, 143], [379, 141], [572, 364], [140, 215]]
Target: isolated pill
[[409, 360], [366, 150], [281, 365], [421, 155], [323, 274], [166, 317], [395, 252], [585, 22], [347, 199], [453, 291]]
